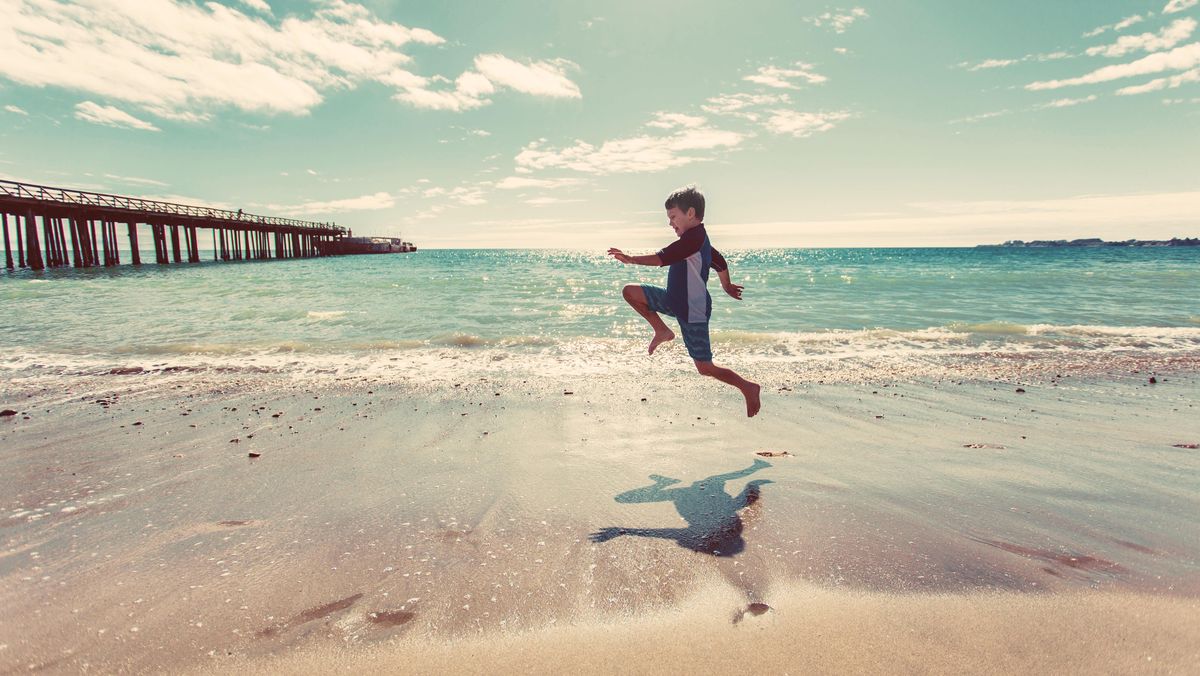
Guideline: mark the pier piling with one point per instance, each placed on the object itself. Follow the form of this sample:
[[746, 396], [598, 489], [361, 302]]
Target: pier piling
[[8, 261], [33, 251]]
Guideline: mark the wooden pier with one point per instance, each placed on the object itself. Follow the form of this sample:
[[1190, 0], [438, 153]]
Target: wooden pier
[[80, 228]]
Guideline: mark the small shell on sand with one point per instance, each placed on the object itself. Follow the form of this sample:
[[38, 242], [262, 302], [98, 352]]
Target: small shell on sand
[[774, 454]]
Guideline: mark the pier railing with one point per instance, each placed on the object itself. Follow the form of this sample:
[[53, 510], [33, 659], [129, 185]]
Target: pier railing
[[44, 193], [90, 218]]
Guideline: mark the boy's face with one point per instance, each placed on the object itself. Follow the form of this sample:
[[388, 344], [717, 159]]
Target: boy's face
[[682, 221]]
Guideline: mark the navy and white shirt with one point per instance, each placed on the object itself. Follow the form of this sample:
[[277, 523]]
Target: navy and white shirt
[[690, 257]]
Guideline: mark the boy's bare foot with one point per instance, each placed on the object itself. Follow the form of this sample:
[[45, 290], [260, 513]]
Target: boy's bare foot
[[753, 402], [660, 337]]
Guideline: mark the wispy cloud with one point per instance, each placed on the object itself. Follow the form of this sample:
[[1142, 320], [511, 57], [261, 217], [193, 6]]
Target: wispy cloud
[[17, 110], [838, 20], [801, 125], [988, 64], [1065, 103], [1179, 5], [744, 105], [675, 120], [1180, 58], [375, 201], [1170, 82], [539, 78], [134, 180], [111, 116], [1118, 26], [1168, 37], [549, 201], [634, 154], [981, 116], [526, 182], [257, 5], [994, 63], [784, 78], [473, 88]]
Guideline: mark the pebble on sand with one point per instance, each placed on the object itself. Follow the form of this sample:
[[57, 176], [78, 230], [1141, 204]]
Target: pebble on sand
[[7, 412], [1191, 446], [252, 454], [1020, 390], [774, 454]]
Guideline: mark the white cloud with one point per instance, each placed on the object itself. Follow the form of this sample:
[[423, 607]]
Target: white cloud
[[257, 5], [1064, 103], [1118, 26], [1171, 82], [994, 63], [539, 78], [1168, 37], [182, 60], [548, 201], [136, 181], [1179, 5], [743, 105], [1004, 63], [110, 116], [664, 120], [473, 87], [981, 116], [1180, 58], [781, 78], [480, 132], [379, 200], [839, 20], [525, 182], [16, 110], [634, 154], [841, 50], [802, 125]]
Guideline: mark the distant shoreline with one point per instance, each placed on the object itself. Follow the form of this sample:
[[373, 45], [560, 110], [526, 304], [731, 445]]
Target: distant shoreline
[[1093, 242]]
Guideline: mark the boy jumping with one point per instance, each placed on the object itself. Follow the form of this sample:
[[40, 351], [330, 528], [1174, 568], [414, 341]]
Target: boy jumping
[[686, 296]]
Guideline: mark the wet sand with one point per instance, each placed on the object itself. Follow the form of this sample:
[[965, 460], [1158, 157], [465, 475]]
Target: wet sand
[[610, 524]]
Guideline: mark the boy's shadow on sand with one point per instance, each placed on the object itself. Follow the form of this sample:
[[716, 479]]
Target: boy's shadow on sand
[[714, 525]]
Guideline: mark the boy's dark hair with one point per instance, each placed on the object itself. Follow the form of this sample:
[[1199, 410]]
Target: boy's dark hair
[[687, 197]]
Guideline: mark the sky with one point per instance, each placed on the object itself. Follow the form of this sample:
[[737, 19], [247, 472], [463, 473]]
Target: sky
[[565, 124]]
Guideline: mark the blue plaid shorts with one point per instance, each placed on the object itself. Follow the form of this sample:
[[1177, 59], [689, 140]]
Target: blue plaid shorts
[[695, 334]]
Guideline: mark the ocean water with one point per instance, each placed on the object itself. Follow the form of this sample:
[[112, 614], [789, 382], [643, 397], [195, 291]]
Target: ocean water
[[563, 309]]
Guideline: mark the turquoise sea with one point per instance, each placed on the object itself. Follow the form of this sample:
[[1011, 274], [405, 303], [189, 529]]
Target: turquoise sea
[[494, 304]]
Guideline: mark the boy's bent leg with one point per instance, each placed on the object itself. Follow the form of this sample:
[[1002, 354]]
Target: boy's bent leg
[[636, 297], [749, 390]]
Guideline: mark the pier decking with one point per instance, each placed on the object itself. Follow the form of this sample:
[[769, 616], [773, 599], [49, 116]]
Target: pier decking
[[91, 220]]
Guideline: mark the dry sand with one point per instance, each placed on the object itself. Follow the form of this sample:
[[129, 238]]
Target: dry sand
[[940, 527]]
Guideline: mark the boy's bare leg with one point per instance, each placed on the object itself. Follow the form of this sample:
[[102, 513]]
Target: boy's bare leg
[[636, 298], [749, 390]]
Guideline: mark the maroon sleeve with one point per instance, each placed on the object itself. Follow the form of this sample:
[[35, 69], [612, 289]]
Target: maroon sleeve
[[685, 246], [718, 261]]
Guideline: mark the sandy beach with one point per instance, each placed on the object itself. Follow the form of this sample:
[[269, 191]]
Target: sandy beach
[[205, 521]]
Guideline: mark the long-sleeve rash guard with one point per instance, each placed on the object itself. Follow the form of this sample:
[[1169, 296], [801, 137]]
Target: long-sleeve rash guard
[[690, 258]]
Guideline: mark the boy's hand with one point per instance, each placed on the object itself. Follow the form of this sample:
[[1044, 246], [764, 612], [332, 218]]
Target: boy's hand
[[733, 290], [619, 255]]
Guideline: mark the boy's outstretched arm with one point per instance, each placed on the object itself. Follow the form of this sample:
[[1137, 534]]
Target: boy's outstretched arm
[[650, 259], [722, 267]]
